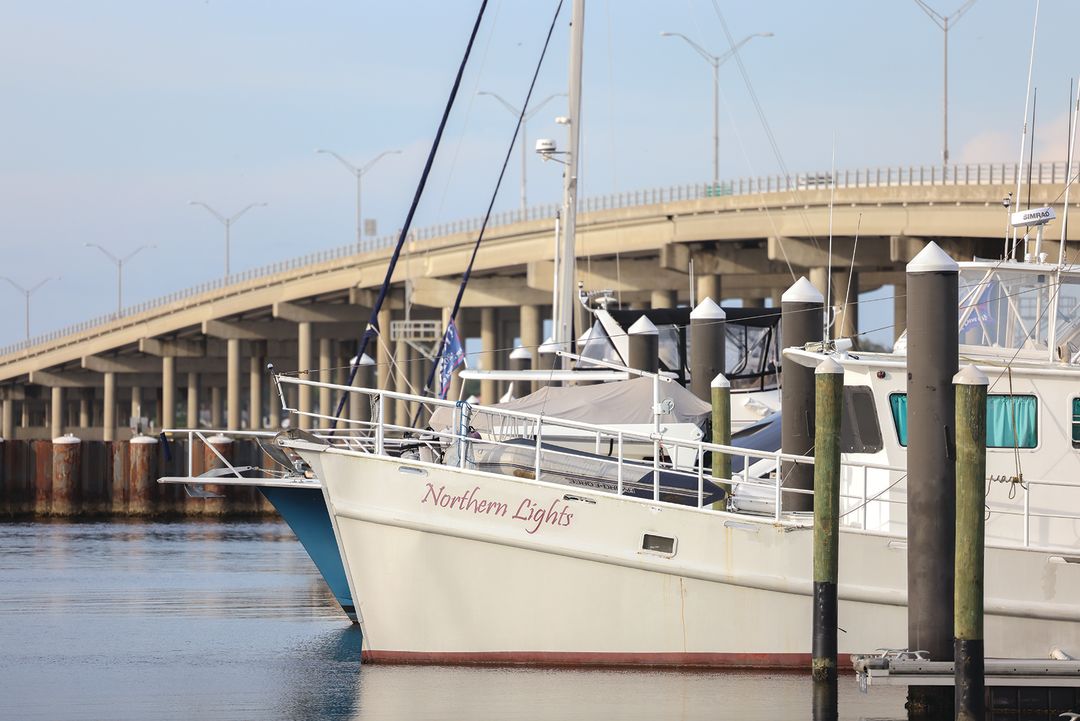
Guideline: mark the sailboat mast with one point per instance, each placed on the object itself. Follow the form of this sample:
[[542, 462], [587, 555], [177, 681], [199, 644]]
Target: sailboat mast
[[563, 308]]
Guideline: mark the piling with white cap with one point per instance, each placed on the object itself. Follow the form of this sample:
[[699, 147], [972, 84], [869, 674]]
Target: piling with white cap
[[708, 341], [644, 342], [360, 404], [802, 308], [932, 360], [521, 360], [66, 454], [142, 472], [720, 388]]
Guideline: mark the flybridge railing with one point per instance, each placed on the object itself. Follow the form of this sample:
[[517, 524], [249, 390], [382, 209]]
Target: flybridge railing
[[914, 175]]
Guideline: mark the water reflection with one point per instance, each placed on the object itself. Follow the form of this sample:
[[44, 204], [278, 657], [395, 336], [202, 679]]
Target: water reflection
[[231, 620]]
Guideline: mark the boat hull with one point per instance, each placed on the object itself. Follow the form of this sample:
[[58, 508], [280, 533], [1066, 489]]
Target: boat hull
[[468, 567]]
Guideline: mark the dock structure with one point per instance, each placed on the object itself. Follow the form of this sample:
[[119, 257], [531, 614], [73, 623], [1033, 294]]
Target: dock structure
[[197, 357]]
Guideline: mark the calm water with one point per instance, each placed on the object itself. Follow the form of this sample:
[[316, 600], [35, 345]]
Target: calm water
[[232, 621]]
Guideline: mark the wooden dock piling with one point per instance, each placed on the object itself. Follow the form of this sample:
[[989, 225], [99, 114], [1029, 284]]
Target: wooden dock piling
[[968, 649], [721, 428], [66, 452], [828, 406]]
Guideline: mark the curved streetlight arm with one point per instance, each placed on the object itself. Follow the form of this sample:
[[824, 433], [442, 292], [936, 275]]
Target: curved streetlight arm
[[19, 287], [246, 209], [943, 21], [349, 166], [721, 59], [135, 252], [709, 57], [111, 257], [536, 108], [377, 158], [513, 110], [210, 210]]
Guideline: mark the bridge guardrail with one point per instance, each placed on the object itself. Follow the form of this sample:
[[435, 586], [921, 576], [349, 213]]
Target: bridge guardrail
[[914, 175]]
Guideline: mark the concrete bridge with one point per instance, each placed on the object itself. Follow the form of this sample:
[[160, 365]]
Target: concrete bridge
[[201, 353]]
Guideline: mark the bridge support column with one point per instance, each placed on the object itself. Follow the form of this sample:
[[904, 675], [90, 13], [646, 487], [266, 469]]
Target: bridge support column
[[531, 332], [215, 407], [454, 392], [303, 363], [168, 391], [84, 410], [232, 383], [108, 422], [192, 400], [488, 329], [325, 375], [136, 404], [753, 301], [663, 299], [400, 376], [384, 370], [899, 309], [57, 411], [255, 413], [846, 304], [7, 420], [708, 286]]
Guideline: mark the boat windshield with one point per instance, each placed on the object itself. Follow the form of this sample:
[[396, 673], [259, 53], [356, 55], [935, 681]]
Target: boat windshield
[[1024, 309]]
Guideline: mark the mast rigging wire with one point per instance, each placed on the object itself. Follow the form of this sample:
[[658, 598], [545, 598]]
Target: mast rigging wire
[[373, 322]]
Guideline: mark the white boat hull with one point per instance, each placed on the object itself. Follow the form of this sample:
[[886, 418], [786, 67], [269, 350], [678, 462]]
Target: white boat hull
[[461, 566]]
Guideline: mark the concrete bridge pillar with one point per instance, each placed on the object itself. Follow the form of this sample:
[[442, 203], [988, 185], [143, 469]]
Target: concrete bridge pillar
[[383, 369], [84, 410], [192, 400], [326, 362], [7, 420], [708, 286], [168, 391], [57, 411], [846, 304], [303, 364], [454, 392], [753, 301], [488, 330], [400, 375], [136, 404], [899, 309], [108, 423], [255, 371], [663, 299], [215, 407], [531, 333], [232, 383]]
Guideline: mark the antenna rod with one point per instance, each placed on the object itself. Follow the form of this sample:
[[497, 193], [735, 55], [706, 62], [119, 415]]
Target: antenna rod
[[828, 274], [1068, 176], [1023, 134]]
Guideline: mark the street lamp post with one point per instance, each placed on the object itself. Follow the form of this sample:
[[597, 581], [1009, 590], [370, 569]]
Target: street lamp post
[[524, 120], [227, 222], [942, 21], [359, 171], [119, 270], [716, 61], [27, 292]]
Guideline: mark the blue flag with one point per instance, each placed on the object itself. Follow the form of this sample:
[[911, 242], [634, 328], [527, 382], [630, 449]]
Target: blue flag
[[452, 356]]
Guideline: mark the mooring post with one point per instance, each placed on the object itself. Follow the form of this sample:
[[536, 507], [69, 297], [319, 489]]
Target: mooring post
[[708, 347], [721, 431], [932, 360], [644, 342], [65, 473], [828, 403], [801, 313], [968, 650], [223, 445], [359, 403], [142, 469]]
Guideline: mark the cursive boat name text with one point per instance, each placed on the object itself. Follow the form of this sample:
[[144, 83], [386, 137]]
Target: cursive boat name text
[[530, 511]]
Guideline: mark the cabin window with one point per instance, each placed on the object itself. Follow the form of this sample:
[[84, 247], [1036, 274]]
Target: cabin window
[[662, 545], [1012, 421], [1076, 422], [859, 428]]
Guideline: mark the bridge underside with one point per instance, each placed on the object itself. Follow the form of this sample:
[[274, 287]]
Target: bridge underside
[[200, 361]]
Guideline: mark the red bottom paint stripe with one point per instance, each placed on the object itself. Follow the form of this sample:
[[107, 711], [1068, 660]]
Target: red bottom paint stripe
[[793, 661]]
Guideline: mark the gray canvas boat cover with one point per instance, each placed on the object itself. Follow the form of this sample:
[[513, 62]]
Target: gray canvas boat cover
[[613, 403]]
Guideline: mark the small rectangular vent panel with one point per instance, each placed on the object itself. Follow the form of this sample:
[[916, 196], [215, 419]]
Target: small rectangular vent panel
[[658, 544]]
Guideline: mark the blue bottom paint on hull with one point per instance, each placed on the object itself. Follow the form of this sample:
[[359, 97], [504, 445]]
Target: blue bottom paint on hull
[[304, 509]]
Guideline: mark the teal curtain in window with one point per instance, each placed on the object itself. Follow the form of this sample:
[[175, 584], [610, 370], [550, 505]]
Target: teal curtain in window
[[898, 401], [1003, 414], [1076, 421], [1000, 412]]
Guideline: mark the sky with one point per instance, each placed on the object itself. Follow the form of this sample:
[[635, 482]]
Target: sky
[[117, 113]]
